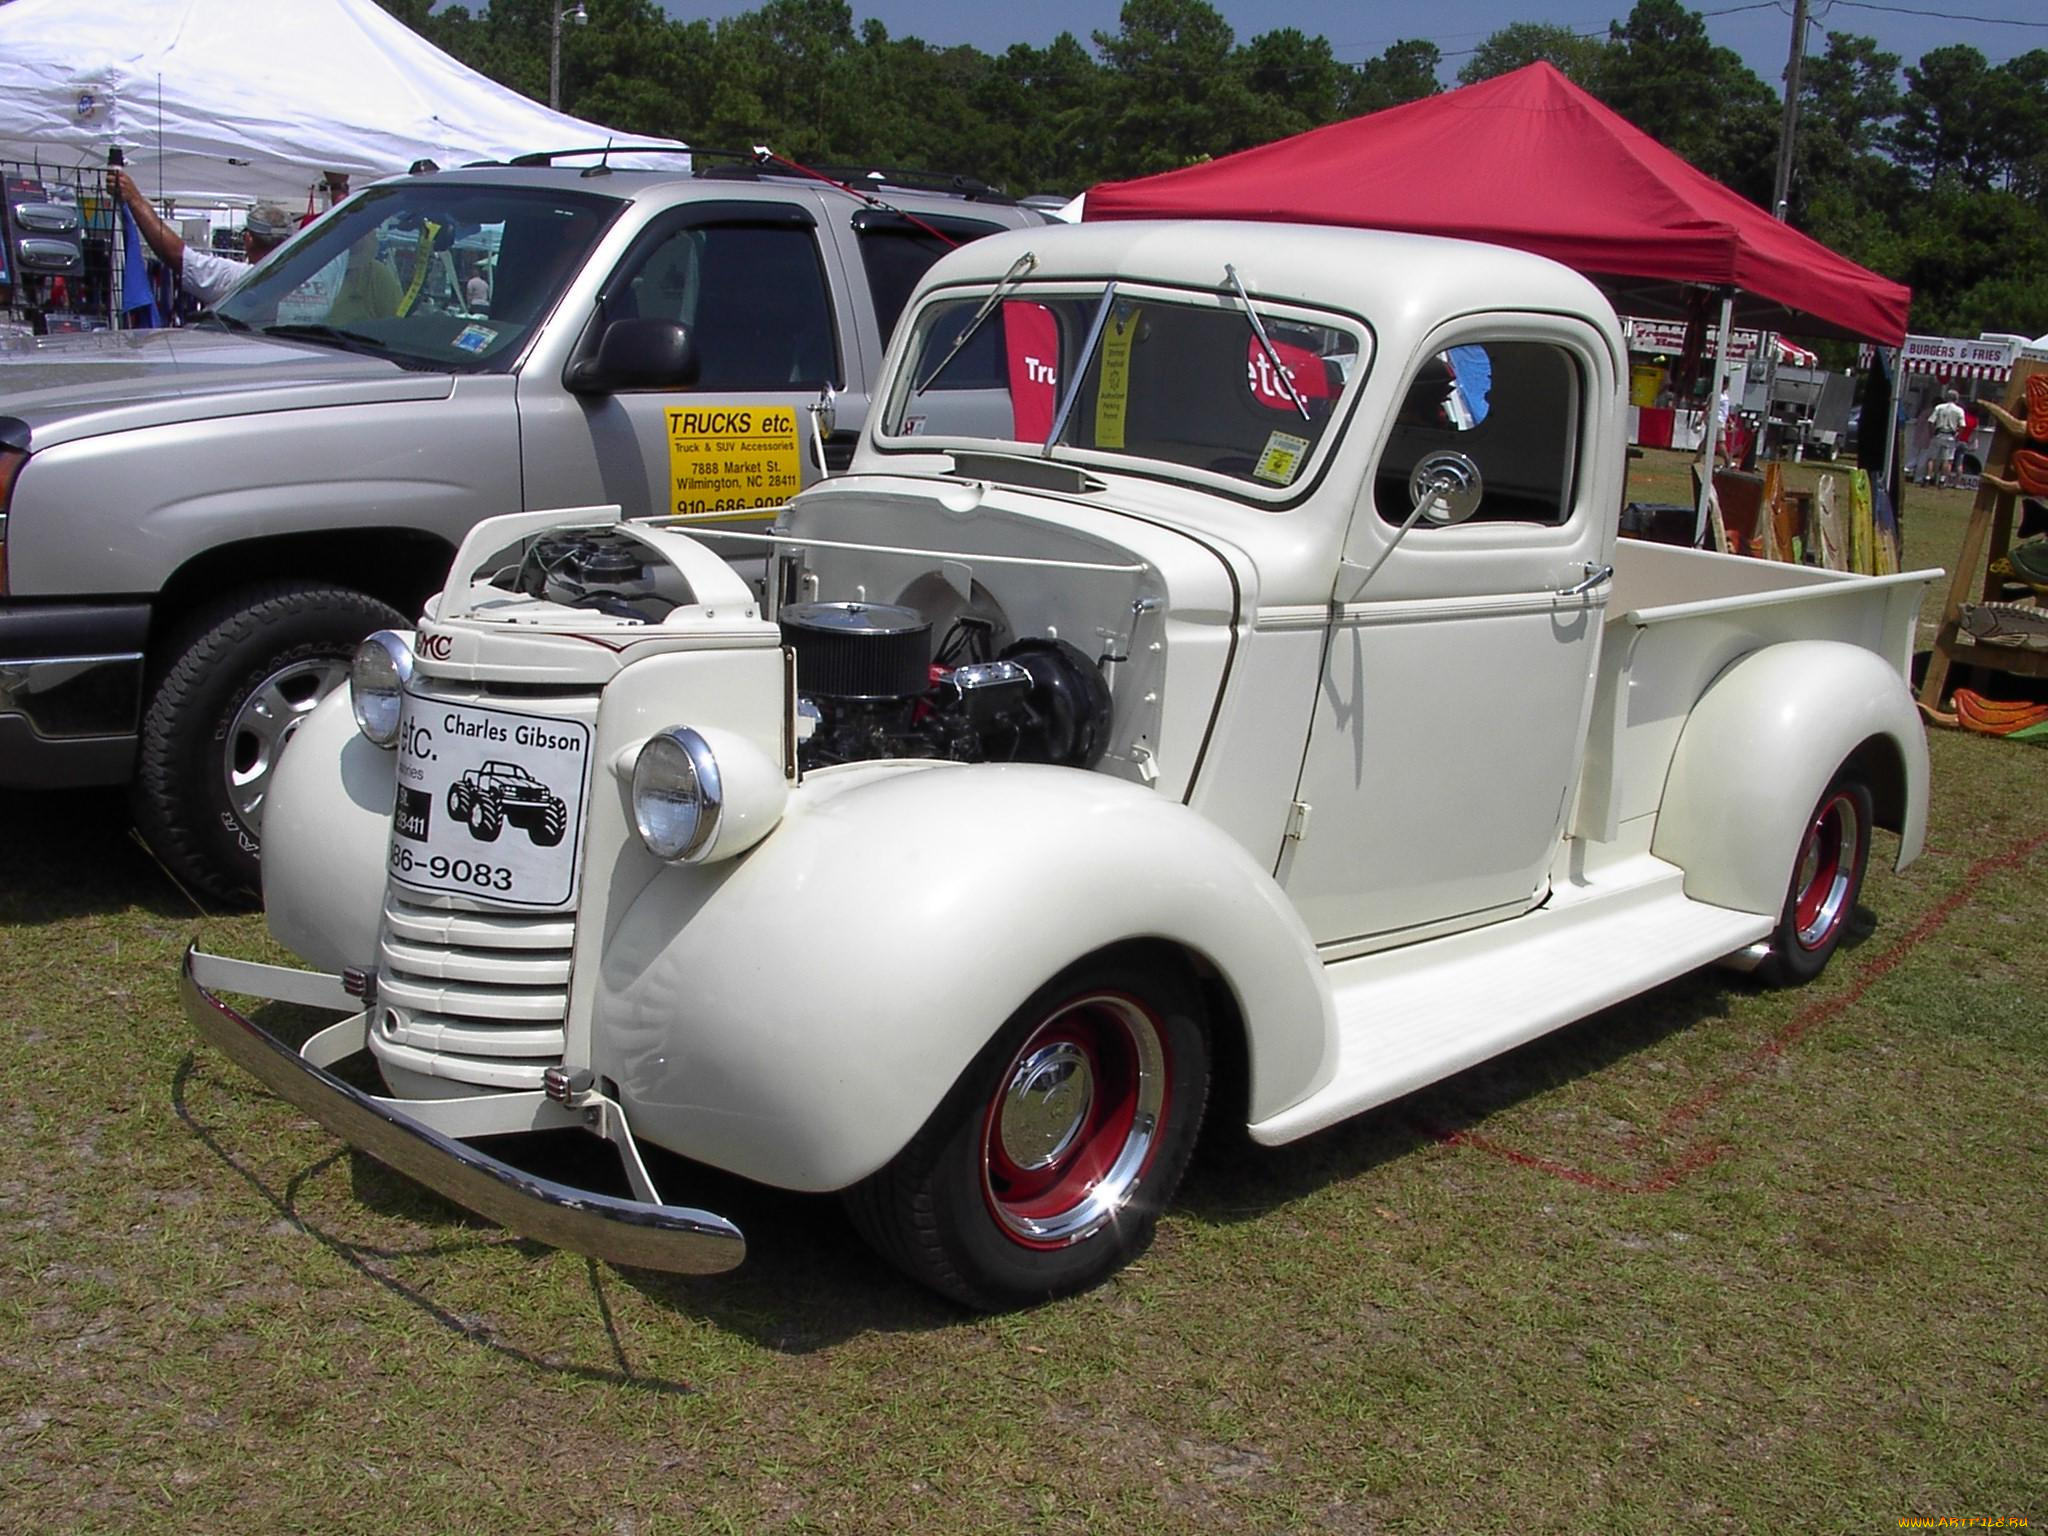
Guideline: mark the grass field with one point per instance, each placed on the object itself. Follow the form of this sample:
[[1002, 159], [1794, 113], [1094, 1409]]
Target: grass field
[[1719, 1260]]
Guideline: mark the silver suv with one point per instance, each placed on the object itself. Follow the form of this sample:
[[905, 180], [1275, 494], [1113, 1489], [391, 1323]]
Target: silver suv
[[197, 526]]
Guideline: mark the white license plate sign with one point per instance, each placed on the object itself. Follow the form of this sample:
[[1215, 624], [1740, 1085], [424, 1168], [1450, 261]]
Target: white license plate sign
[[489, 803]]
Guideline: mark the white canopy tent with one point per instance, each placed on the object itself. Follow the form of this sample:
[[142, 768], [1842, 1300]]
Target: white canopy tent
[[223, 103]]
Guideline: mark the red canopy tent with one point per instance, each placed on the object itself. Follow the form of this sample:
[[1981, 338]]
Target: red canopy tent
[[1528, 159]]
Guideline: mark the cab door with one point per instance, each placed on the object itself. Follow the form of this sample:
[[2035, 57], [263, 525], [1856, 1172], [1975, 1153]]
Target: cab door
[[1451, 711], [749, 282]]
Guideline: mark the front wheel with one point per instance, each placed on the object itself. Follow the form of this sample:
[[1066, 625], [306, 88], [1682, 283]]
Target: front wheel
[[1046, 1166], [1826, 880], [236, 690]]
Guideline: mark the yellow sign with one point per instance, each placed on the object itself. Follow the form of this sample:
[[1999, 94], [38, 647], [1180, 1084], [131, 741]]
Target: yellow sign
[[1113, 392], [725, 458]]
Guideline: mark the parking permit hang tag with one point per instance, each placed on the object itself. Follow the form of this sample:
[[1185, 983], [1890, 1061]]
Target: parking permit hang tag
[[1113, 389], [1281, 461]]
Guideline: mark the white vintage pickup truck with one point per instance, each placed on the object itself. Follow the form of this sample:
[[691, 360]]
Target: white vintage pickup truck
[[1219, 652]]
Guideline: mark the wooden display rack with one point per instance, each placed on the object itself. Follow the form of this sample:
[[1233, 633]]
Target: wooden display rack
[[1973, 586]]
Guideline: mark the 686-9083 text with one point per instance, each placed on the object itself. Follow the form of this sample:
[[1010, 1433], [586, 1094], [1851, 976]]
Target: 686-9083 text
[[485, 877]]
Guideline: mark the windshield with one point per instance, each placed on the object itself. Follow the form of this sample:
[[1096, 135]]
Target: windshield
[[1182, 380], [431, 275]]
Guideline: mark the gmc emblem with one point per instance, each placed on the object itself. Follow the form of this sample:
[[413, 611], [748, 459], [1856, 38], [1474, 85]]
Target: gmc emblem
[[436, 647]]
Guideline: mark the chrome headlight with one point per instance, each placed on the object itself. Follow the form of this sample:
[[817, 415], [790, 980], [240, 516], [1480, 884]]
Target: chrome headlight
[[376, 685], [677, 796], [700, 795]]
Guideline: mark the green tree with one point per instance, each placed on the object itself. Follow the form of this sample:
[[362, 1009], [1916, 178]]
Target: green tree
[[1702, 102], [1295, 81], [1579, 59], [1849, 96], [1172, 95], [1039, 118], [1946, 122], [1405, 72]]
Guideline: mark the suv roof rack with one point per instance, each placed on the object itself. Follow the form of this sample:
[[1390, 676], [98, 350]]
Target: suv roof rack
[[550, 156], [710, 163], [752, 167]]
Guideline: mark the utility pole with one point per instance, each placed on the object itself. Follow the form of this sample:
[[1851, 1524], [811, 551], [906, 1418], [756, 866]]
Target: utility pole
[[1781, 191], [1781, 198]]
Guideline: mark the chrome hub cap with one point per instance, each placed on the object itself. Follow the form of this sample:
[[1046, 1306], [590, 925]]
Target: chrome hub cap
[[1070, 1131], [1046, 1105], [264, 724]]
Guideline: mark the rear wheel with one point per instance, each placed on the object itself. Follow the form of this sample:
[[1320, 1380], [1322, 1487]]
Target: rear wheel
[[246, 675], [1047, 1164], [1826, 880]]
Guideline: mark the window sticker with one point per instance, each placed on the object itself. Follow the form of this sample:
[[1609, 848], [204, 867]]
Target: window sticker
[[912, 426], [1281, 461], [474, 338], [1113, 390]]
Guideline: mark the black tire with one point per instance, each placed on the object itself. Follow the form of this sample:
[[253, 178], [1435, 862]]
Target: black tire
[[961, 1211], [460, 793], [486, 818], [1827, 877], [546, 831], [240, 677]]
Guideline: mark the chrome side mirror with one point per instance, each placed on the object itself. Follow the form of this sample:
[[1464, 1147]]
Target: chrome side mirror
[[1444, 488], [825, 411]]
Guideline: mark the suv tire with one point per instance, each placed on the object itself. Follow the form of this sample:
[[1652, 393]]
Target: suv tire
[[240, 678]]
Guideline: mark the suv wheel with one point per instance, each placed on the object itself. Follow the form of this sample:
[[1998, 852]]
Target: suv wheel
[[244, 676]]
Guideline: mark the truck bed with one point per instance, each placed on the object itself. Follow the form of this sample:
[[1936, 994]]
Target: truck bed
[[1676, 619]]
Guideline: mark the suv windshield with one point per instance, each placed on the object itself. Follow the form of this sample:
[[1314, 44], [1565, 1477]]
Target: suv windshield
[[1180, 379], [430, 274]]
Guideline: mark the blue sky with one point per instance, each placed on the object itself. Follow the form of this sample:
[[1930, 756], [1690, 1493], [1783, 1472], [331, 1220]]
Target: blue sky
[[1361, 29]]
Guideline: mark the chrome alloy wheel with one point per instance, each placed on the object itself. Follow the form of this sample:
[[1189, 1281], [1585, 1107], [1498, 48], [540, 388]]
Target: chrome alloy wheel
[[1827, 871], [263, 725], [1070, 1132]]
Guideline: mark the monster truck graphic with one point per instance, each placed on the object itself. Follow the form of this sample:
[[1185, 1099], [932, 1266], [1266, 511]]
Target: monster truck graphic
[[499, 792]]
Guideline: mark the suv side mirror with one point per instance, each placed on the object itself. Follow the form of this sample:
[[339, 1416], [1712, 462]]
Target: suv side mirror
[[636, 354]]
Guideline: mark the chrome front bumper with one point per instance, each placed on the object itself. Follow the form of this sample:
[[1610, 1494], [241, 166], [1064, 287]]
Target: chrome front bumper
[[419, 1138]]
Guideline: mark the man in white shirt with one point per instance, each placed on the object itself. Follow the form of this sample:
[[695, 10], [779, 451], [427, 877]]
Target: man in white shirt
[[204, 275], [1945, 421]]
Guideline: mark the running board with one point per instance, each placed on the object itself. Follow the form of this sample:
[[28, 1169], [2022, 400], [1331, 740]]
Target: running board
[[1408, 1017]]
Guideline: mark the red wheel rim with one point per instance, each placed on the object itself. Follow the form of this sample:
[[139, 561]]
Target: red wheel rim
[[1827, 872], [1076, 1116]]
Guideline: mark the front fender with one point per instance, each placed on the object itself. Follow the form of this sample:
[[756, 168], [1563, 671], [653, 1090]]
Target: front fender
[[326, 830], [795, 1015], [1760, 747]]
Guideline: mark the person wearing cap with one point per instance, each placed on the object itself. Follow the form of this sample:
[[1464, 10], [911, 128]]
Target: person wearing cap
[[204, 275]]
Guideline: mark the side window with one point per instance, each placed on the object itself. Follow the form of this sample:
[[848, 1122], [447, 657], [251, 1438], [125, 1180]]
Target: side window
[[896, 253], [1512, 407], [753, 298]]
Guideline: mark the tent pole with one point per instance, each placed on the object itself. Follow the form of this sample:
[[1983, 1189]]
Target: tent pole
[[1699, 527]]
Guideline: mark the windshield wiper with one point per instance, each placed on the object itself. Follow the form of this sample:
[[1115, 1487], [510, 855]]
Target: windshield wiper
[[1019, 270], [353, 341], [1265, 341], [1080, 369]]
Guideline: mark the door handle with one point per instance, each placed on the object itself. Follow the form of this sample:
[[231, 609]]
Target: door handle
[[1595, 575]]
